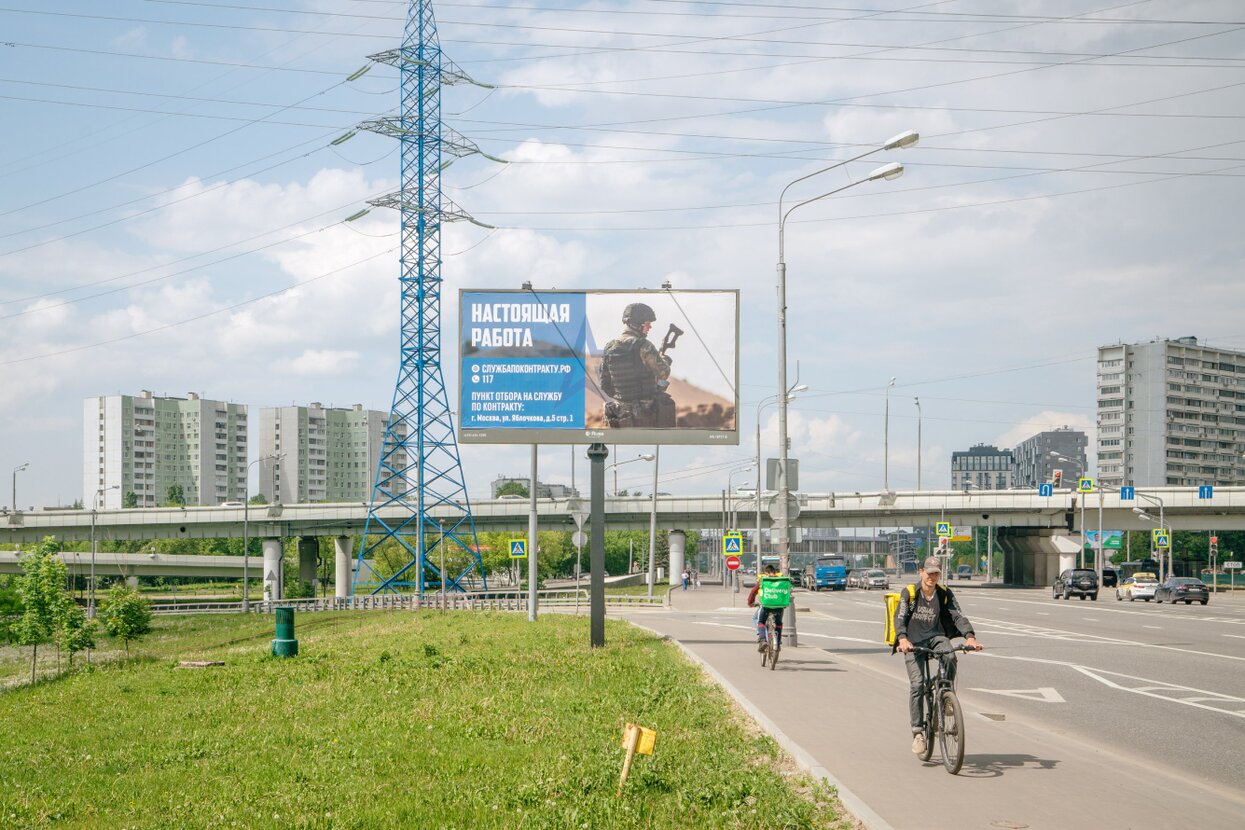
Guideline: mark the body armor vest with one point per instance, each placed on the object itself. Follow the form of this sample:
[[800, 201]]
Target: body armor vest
[[623, 375]]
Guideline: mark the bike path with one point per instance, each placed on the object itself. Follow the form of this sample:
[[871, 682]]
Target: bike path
[[838, 704]]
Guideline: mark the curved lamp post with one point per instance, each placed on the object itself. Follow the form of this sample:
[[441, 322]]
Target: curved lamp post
[[886, 440], [645, 456], [764, 402], [90, 603], [917, 401], [888, 172], [16, 470], [246, 515]]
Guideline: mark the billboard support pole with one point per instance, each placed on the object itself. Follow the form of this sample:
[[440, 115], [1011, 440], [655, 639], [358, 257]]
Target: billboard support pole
[[531, 542], [652, 525], [597, 453]]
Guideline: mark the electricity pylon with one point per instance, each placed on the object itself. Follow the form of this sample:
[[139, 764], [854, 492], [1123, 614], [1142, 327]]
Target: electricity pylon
[[420, 470]]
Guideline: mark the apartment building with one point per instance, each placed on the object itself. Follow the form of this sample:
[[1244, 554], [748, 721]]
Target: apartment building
[[317, 454], [544, 490], [144, 445], [983, 466], [1038, 457], [1170, 412]]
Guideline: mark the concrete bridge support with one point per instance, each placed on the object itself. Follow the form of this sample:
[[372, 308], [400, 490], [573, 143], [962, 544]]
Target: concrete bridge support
[[678, 546], [1033, 557], [274, 578], [308, 559], [343, 548]]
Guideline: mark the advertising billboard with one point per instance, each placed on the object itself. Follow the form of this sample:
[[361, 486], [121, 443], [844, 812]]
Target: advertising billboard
[[612, 367]]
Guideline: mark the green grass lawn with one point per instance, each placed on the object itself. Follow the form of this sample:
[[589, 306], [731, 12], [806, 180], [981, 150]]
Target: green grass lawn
[[392, 720]]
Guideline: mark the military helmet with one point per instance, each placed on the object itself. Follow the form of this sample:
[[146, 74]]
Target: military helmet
[[637, 314]]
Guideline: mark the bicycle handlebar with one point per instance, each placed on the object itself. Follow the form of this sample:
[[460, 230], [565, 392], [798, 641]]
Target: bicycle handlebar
[[952, 649]]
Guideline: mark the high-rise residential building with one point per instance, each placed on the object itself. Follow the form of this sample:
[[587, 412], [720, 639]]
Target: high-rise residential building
[[146, 445], [325, 455], [1038, 457], [1170, 412], [983, 466]]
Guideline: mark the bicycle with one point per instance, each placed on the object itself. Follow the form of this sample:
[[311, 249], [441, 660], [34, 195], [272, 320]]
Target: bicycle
[[772, 644], [940, 709]]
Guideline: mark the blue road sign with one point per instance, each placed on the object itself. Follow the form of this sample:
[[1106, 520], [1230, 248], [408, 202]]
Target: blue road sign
[[1205, 491], [1128, 493], [518, 548], [944, 529], [1046, 489], [732, 544]]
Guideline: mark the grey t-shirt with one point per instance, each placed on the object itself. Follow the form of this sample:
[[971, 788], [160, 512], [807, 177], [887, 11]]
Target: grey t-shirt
[[924, 624]]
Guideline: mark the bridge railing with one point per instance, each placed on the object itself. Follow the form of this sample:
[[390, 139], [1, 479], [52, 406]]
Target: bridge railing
[[469, 601]]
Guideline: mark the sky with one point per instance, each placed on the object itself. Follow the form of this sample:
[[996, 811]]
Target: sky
[[173, 206]]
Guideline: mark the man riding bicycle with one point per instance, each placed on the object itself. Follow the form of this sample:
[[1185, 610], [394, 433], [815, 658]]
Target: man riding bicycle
[[928, 616], [771, 571]]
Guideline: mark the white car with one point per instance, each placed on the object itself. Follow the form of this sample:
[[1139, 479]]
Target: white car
[[1139, 586]]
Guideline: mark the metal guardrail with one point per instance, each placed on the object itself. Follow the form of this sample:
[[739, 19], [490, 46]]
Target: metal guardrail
[[470, 601]]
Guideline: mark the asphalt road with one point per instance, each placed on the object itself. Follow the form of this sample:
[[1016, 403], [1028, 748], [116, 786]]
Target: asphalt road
[[1081, 713]]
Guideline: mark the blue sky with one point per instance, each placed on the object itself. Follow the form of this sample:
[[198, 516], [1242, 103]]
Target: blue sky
[[173, 205]]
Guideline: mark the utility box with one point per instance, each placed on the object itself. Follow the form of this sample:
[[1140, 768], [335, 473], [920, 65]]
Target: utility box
[[285, 645]]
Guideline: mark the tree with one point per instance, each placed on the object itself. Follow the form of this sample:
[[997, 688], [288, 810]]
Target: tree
[[130, 499], [258, 498], [41, 590], [72, 630], [512, 488], [175, 497], [126, 615]]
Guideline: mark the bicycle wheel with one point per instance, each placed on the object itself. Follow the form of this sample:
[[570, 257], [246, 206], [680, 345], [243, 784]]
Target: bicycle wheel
[[771, 635], [951, 732], [927, 702]]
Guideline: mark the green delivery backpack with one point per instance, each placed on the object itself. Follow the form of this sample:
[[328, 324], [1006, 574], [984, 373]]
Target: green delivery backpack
[[775, 592]]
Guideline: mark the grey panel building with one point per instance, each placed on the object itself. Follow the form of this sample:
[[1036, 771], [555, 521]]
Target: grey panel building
[[143, 445], [983, 466], [327, 454], [543, 490], [1171, 412], [1038, 457]]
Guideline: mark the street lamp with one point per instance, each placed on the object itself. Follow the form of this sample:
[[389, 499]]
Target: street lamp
[[730, 489], [246, 515], [764, 402], [886, 440], [917, 401], [644, 456], [888, 172], [90, 603], [1080, 500], [1162, 524], [651, 579], [17, 470]]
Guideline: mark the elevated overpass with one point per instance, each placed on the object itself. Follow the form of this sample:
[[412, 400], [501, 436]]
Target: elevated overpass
[[1033, 522]]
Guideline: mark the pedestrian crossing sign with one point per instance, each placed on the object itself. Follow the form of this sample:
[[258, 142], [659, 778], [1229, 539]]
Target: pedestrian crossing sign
[[1085, 485], [1162, 539], [733, 543], [518, 548], [944, 530]]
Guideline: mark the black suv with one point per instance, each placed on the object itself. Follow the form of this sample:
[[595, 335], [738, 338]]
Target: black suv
[[1076, 581], [1110, 578]]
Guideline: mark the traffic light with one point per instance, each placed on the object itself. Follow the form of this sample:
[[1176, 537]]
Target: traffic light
[[1057, 478], [1214, 546]]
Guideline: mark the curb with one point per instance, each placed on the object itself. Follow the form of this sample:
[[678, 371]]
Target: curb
[[860, 811]]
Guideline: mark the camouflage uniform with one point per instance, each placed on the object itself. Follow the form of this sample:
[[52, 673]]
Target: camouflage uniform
[[632, 373]]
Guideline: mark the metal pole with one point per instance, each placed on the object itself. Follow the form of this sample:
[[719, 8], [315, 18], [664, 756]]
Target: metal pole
[[246, 558], [597, 453], [886, 439], [918, 443], [90, 611], [441, 544], [1102, 548], [531, 543], [652, 526]]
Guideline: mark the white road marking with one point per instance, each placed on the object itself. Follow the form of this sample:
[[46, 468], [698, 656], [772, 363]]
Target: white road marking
[[1235, 636], [1090, 619], [1045, 694], [1160, 628], [1002, 626]]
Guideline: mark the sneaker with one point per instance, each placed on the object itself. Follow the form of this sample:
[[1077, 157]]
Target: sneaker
[[918, 743], [760, 645]]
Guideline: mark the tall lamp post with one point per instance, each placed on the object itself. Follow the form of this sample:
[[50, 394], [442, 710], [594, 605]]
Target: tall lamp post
[[1080, 465], [16, 470], [917, 401], [764, 402], [644, 456], [888, 171], [1162, 524], [90, 603], [652, 526], [246, 515], [886, 440]]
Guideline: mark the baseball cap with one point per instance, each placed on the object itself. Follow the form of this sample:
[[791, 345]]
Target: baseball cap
[[932, 565]]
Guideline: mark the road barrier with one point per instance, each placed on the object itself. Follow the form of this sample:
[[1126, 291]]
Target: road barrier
[[468, 601]]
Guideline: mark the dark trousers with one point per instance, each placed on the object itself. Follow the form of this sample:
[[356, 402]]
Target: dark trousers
[[761, 617], [913, 663]]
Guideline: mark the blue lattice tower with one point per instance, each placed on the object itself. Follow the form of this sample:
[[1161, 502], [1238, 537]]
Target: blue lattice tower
[[420, 470]]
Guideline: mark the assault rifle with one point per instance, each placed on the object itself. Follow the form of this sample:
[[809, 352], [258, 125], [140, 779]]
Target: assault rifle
[[668, 342]]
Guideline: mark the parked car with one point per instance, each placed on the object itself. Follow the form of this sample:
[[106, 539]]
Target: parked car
[[1110, 578], [1137, 587], [874, 578], [1186, 589], [964, 572], [1079, 582]]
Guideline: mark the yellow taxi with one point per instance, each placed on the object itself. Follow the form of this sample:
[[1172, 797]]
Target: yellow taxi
[[1140, 585]]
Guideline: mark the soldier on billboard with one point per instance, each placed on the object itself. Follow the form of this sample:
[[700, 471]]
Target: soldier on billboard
[[634, 373]]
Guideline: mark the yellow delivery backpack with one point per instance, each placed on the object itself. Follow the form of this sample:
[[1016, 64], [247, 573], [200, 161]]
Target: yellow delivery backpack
[[892, 608]]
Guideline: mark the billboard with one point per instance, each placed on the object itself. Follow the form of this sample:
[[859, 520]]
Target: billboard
[[612, 367]]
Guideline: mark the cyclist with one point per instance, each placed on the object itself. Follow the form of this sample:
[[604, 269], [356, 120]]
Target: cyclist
[[771, 570], [928, 616]]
